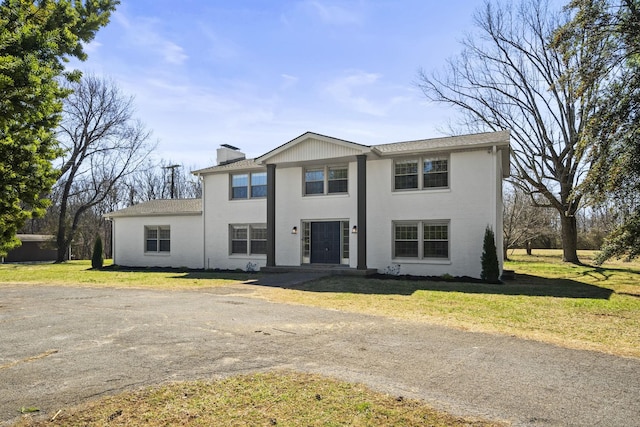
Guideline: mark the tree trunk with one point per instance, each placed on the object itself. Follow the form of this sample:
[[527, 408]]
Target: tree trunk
[[569, 233], [528, 247]]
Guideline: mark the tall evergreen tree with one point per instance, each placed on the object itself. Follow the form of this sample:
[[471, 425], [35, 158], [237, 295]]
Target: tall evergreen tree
[[36, 39]]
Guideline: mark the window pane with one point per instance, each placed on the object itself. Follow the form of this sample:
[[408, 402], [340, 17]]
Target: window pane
[[436, 173], [165, 245], [259, 233], [406, 174], [314, 181], [406, 249], [338, 173], [258, 240], [258, 191], [240, 180], [165, 233], [258, 246], [338, 186], [239, 193], [314, 187], [239, 232], [436, 241], [306, 239], [152, 233], [338, 182], [407, 181], [259, 178], [238, 246], [314, 175], [436, 249], [152, 246], [406, 240], [239, 185], [406, 232], [259, 184]]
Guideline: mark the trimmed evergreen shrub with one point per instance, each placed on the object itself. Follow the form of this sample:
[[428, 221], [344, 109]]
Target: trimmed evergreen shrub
[[490, 268], [96, 259]]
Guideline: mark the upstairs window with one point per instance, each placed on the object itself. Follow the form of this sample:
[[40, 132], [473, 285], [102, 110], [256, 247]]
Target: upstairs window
[[326, 180], [435, 173], [249, 185], [157, 239], [406, 174]]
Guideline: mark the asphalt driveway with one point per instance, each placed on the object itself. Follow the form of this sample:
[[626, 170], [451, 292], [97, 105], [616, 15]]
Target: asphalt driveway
[[60, 346]]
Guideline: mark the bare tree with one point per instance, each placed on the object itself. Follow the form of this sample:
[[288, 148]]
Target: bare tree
[[523, 221], [508, 77], [162, 180], [102, 144]]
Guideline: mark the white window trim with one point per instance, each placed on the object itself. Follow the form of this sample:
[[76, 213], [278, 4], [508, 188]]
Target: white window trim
[[157, 251], [248, 241], [249, 180], [325, 188], [421, 258], [421, 160]]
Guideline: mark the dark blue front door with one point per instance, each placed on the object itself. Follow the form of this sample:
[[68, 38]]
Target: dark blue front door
[[325, 242]]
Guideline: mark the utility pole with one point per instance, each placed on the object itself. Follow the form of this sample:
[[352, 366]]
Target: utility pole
[[173, 177]]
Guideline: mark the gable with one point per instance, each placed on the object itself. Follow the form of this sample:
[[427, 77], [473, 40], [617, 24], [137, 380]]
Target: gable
[[312, 147]]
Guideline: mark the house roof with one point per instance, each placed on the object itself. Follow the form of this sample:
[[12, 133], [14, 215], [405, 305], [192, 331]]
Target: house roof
[[35, 237], [160, 208], [318, 147], [477, 140], [320, 142], [244, 164]]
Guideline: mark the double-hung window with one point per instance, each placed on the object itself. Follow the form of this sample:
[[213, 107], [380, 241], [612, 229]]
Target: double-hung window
[[248, 185], [157, 239], [421, 239], [248, 239], [421, 173], [326, 180]]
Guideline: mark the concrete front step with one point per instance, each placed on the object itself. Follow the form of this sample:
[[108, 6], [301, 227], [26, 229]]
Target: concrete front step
[[332, 270]]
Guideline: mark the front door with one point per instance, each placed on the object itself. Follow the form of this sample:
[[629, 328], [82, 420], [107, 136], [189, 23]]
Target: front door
[[325, 242]]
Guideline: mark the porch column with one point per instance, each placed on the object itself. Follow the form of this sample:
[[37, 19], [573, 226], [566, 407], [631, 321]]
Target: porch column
[[271, 215], [362, 211]]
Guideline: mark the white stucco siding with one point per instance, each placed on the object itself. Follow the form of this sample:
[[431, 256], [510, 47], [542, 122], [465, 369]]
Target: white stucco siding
[[186, 241], [468, 205], [293, 207], [220, 213]]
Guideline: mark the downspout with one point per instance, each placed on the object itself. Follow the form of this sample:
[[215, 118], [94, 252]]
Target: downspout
[[205, 265]]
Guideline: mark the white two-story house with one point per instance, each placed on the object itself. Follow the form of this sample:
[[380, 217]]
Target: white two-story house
[[417, 207]]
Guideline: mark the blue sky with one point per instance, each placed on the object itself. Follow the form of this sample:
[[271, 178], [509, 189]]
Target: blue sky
[[256, 74]]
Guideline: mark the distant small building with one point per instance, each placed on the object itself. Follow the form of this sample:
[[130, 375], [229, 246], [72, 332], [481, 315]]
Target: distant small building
[[34, 248]]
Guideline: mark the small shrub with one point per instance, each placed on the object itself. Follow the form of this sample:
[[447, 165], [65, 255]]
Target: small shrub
[[490, 268], [97, 259]]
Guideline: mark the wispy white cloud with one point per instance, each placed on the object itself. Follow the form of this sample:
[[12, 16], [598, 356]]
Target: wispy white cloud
[[288, 81], [144, 32], [333, 14], [219, 47], [345, 90]]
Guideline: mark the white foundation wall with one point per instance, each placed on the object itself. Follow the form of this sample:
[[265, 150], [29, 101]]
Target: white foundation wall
[[293, 207], [219, 213], [186, 241], [469, 204]]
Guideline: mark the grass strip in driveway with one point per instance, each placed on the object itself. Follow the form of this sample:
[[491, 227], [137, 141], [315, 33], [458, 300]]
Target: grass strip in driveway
[[263, 399]]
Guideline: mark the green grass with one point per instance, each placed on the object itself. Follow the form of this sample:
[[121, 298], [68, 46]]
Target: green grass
[[80, 273], [264, 399]]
